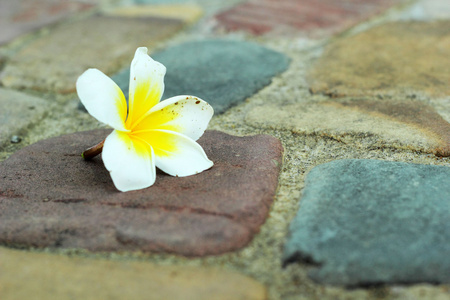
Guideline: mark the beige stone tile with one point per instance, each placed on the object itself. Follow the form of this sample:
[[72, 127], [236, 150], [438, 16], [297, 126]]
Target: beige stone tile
[[371, 123], [188, 13], [18, 111], [26, 275], [54, 62], [394, 58]]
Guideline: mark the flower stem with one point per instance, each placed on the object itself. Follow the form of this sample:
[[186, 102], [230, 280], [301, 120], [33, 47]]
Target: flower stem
[[93, 151]]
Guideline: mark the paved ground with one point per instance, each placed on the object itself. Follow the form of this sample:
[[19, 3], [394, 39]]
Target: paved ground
[[356, 206]]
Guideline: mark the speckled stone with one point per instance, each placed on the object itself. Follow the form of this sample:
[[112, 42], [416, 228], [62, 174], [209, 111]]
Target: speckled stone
[[51, 197], [394, 58], [38, 276], [364, 222], [223, 73], [53, 62]]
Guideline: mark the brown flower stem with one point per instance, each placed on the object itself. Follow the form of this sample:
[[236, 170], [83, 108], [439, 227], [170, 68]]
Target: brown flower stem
[[93, 151]]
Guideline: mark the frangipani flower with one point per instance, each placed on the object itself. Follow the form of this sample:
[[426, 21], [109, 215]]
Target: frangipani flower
[[150, 133]]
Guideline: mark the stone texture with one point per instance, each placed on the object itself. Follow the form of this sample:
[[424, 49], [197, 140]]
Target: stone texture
[[427, 10], [313, 17], [436, 9], [394, 58], [401, 124], [226, 72], [370, 222], [50, 197], [18, 112], [54, 62], [39, 276], [22, 16], [415, 114], [159, 2], [189, 13], [203, 3], [420, 291]]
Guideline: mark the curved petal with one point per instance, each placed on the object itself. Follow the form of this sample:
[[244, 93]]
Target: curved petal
[[146, 85], [176, 154], [130, 162], [187, 115], [102, 98]]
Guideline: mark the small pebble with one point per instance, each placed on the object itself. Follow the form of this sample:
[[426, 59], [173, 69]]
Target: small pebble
[[16, 139]]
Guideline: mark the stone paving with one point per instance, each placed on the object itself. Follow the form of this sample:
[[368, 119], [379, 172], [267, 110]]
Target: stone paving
[[331, 144]]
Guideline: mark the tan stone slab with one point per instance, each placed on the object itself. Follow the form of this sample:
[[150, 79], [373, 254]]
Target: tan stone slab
[[54, 62], [188, 13], [18, 111], [416, 114], [25, 275], [403, 57], [420, 291], [374, 123]]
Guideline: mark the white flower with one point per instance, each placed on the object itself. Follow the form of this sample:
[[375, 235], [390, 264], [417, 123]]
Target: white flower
[[152, 133]]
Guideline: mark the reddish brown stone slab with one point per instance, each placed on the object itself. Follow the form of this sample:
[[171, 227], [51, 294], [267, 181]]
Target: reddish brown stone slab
[[22, 16], [308, 16], [51, 197]]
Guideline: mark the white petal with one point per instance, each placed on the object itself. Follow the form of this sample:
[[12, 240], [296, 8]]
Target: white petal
[[175, 153], [187, 115], [146, 85], [102, 98], [130, 162]]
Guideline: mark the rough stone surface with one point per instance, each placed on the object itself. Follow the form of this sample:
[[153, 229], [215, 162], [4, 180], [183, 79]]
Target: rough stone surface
[[309, 16], [50, 197], [369, 222], [436, 9], [378, 123], [415, 114], [427, 10], [221, 72], [18, 111], [402, 57], [45, 276], [22, 16], [54, 62]]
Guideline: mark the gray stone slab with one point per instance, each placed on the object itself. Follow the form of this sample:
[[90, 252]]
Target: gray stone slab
[[221, 72], [365, 222], [18, 111]]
